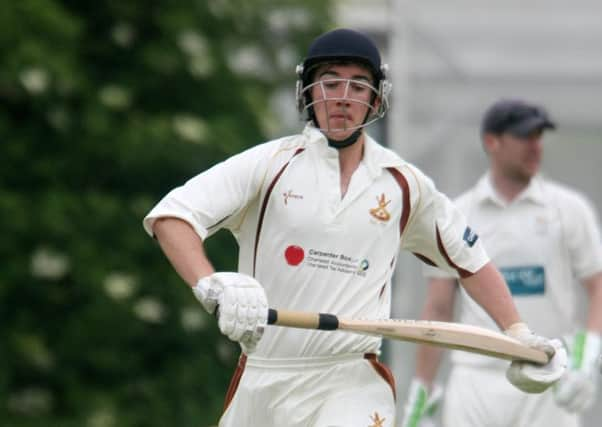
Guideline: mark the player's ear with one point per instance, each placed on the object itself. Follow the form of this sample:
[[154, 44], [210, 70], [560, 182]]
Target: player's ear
[[376, 103], [490, 142]]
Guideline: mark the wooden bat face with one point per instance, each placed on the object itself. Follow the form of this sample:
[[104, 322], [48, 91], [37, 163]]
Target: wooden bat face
[[457, 336]]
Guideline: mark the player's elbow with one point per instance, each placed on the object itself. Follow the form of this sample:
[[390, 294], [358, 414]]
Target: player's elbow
[[439, 312]]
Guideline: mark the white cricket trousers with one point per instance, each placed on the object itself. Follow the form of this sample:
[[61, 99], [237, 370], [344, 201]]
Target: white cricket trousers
[[483, 397], [341, 391]]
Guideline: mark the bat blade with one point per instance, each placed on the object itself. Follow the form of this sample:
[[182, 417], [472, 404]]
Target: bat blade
[[450, 335]]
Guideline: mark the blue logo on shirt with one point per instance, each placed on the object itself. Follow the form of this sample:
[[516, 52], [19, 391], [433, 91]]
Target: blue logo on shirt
[[525, 280], [470, 237]]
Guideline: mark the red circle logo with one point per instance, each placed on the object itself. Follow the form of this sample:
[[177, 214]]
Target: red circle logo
[[294, 255]]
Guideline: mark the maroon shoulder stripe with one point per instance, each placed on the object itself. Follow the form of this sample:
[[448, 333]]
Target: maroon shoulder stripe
[[462, 272], [264, 205], [405, 190]]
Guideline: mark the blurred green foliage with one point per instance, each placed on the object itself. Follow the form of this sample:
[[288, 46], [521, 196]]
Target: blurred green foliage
[[104, 107]]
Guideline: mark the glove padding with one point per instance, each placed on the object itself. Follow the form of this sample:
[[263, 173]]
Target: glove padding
[[243, 306], [421, 407], [576, 391], [532, 378]]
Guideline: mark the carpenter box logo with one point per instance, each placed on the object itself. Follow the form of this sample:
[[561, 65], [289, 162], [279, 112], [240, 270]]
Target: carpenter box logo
[[326, 260]]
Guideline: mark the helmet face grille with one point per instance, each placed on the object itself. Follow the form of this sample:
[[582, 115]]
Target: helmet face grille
[[341, 91]]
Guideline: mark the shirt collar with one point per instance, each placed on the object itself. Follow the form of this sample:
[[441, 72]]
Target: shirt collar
[[486, 192], [375, 158]]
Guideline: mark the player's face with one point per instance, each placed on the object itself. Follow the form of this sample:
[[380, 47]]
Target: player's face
[[518, 158], [342, 97]]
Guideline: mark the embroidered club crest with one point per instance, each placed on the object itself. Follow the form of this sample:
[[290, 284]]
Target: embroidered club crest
[[380, 212], [377, 420]]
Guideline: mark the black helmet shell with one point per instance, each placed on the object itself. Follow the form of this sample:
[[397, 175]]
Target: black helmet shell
[[343, 45]]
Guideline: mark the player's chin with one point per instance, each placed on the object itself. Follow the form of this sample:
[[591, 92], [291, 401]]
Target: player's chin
[[341, 130], [337, 135], [532, 169]]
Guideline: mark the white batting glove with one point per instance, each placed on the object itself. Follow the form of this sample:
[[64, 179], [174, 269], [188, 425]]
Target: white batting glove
[[421, 407], [243, 306], [576, 391], [529, 377]]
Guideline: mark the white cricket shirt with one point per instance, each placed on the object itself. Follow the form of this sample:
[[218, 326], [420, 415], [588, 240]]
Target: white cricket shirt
[[313, 250], [543, 242]]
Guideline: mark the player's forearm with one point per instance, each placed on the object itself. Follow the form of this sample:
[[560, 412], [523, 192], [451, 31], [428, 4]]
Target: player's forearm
[[488, 288], [594, 290], [428, 360], [184, 249]]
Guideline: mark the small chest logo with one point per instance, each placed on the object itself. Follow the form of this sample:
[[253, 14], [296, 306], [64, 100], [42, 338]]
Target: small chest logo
[[470, 237], [380, 212], [294, 255], [290, 195]]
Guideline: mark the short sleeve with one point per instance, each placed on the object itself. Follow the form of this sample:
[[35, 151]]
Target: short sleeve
[[437, 232], [582, 234], [213, 198]]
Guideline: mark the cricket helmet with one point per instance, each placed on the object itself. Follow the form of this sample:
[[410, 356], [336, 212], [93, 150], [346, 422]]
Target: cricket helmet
[[343, 46]]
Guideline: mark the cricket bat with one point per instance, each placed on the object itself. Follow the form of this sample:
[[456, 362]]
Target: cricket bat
[[450, 335]]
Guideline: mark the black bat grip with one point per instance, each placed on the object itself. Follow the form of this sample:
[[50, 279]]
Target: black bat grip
[[298, 319]]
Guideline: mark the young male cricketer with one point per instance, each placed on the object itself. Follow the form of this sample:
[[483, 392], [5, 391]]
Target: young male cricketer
[[319, 218], [542, 236]]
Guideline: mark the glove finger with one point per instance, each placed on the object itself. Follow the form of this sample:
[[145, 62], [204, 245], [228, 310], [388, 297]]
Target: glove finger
[[227, 321], [256, 316], [248, 316], [549, 346], [241, 314]]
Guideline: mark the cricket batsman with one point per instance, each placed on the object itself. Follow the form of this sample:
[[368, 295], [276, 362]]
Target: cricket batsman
[[319, 218]]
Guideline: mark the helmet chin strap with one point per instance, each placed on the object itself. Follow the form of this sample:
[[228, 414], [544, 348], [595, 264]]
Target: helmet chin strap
[[350, 140], [346, 142]]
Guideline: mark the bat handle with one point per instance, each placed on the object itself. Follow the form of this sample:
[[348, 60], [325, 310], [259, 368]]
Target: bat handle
[[304, 320]]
